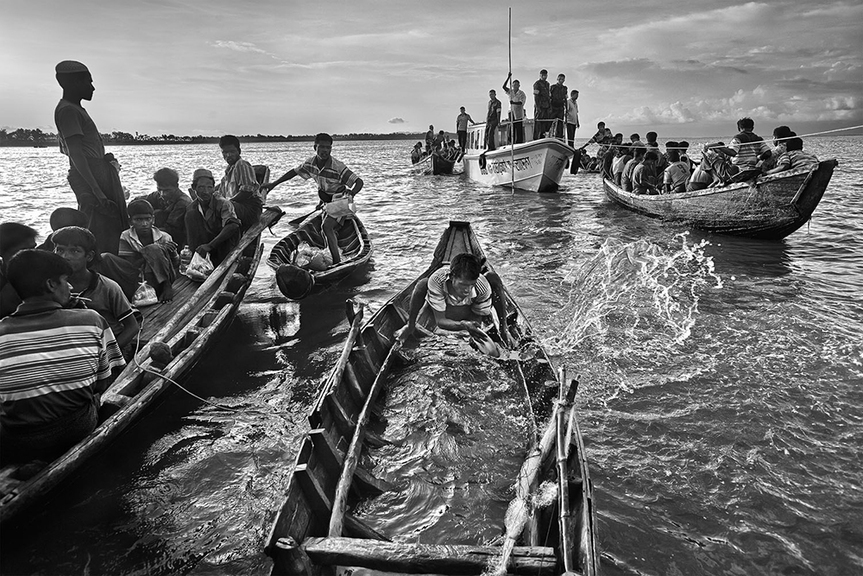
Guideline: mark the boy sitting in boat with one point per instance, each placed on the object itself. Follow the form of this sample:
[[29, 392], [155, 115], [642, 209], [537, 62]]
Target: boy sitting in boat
[[77, 246], [54, 362], [144, 249], [337, 186], [212, 225], [460, 297], [794, 157]]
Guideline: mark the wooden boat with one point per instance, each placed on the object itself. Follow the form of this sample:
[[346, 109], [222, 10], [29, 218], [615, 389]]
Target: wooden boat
[[313, 529], [174, 337], [297, 283], [768, 207], [435, 164], [535, 165]]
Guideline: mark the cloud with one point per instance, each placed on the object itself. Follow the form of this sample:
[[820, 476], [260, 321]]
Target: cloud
[[396, 120]]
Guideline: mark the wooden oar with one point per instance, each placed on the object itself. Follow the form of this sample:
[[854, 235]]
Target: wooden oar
[[295, 223]]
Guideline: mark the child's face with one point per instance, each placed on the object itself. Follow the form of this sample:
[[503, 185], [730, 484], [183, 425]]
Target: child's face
[[142, 222], [76, 256]]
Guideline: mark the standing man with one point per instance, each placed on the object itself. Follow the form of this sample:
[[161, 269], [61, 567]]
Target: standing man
[[492, 119], [541, 105], [95, 182], [572, 118], [558, 104], [239, 184], [461, 123], [517, 98], [429, 139]]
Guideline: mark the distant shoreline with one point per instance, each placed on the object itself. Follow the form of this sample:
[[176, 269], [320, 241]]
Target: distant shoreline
[[39, 139]]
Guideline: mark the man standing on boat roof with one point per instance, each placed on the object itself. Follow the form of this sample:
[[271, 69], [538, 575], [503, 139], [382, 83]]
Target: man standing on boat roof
[[492, 120], [541, 105], [337, 185], [517, 98], [461, 123], [95, 182], [558, 94]]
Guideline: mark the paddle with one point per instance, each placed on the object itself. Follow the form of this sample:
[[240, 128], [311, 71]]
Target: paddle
[[295, 223]]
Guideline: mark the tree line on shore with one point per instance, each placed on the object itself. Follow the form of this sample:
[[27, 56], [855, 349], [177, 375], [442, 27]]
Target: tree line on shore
[[37, 137]]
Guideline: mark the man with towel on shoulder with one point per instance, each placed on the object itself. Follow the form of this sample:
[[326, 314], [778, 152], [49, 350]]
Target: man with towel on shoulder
[[95, 182]]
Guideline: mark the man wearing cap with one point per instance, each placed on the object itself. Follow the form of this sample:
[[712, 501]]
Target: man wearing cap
[[170, 204], [212, 226], [95, 182], [541, 105]]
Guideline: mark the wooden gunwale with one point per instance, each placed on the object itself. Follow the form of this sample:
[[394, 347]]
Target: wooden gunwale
[[188, 332]]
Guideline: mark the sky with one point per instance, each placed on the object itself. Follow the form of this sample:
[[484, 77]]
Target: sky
[[679, 67]]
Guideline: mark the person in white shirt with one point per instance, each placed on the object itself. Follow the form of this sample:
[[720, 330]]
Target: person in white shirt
[[572, 117], [517, 98]]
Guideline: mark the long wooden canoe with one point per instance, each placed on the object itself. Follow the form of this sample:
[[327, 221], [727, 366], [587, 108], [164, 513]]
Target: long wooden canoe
[[312, 528], [354, 244], [188, 326], [769, 207]]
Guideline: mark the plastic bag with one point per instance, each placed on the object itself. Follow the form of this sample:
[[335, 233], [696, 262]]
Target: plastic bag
[[199, 268], [340, 206], [145, 295], [312, 258]]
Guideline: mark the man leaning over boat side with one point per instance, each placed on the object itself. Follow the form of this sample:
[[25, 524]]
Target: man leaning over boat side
[[794, 157], [517, 98], [337, 186], [54, 362], [94, 180], [460, 298]]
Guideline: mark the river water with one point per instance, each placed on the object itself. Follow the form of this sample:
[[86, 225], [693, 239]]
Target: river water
[[721, 378]]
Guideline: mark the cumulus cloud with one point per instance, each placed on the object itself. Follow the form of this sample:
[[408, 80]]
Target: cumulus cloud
[[396, 120]]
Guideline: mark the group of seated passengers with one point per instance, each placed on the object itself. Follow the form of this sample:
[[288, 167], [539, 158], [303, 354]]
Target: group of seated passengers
[[643, 169], [448, 149]]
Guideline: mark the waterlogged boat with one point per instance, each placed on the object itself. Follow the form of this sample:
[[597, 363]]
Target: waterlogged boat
[[313, 528], [175, 336], [768, 207], [535, 165], [435, 164], [298, 282]]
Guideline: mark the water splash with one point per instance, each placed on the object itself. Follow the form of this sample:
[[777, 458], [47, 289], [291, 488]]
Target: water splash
[[636, 291]]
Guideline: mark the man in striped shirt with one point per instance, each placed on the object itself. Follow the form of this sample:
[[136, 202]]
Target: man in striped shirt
[[460, 297], [745, 148], [54, 362], [336, 184], [240, 185]]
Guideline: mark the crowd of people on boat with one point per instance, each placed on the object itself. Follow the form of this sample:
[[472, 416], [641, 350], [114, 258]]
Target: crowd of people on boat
[[437, 144], [642, 168], [69, 315]]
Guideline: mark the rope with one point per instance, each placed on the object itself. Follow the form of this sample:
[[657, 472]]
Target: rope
[[186, 390], [774, 139]]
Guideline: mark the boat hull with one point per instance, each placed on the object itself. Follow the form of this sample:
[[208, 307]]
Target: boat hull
[[312, 522], [354, 243], [188, 326], [770, 207], [435, 165], [536, 166]]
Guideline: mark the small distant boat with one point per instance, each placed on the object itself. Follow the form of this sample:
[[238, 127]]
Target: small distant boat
[[297, 282], [768, 207], [188, 326], [314, 528], [435, 164], [535, 165]]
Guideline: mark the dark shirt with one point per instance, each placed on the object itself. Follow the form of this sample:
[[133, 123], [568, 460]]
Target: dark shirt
[[171, 216], [493, 116], [542, 99], [558, 93]]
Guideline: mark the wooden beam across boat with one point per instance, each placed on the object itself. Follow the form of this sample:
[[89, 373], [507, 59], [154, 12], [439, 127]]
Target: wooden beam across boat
[[426, 558]]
